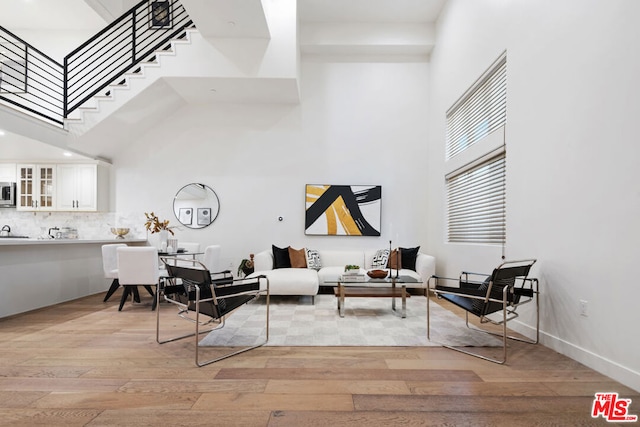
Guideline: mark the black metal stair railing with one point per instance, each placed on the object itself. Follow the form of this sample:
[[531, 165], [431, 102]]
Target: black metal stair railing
[[106, 57], [30, 80]]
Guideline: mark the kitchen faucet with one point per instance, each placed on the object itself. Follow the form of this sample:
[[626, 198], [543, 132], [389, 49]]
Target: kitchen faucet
[[52, 236]]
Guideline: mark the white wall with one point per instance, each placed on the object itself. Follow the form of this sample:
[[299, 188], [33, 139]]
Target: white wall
[[572, 178], [359, 122]]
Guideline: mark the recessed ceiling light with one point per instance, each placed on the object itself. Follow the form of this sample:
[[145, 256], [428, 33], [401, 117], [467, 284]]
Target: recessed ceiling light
[[2, 133], [231, 23], [67, 154]]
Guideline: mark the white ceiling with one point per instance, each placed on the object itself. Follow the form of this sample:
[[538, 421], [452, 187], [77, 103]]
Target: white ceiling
[[371, 11], [13, 147], [91, 14], [83, 15], [49, 15]]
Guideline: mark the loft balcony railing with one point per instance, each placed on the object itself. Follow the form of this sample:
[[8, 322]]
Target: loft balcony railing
[[30, 80], [34, 83]]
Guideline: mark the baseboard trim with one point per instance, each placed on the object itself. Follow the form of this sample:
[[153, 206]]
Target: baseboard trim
[[610, 368]]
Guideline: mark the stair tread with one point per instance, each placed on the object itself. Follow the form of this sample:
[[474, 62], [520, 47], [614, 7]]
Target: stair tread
[[151, 60]]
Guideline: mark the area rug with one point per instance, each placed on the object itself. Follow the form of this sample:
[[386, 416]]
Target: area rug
[[367, 322]]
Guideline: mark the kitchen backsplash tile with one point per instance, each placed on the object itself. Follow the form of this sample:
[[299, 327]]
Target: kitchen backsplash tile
[[90, 225]]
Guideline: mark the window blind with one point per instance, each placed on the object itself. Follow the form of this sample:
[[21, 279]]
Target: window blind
[[476, 203], [479, 111]]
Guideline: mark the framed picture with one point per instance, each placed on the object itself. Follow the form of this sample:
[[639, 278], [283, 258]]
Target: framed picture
[[204, 216], [186, 216], [347, 210], [13, 68], [160, 15]]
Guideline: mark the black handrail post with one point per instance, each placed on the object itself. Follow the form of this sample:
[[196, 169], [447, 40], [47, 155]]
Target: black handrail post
[[65, 89], [26, 68], [133, 36]]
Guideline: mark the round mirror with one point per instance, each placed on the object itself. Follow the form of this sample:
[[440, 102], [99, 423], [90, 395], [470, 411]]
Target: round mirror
[[196, 205]]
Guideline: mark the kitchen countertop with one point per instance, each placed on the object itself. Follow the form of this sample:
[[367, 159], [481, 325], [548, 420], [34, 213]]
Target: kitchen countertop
[[36, 273], [8, 241]]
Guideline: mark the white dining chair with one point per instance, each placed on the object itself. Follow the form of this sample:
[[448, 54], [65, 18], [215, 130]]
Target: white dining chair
[[213, 263], [138, 266], [190, 247], [110, 266], [212, 258]]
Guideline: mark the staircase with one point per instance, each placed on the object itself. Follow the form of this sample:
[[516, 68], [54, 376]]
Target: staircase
[[128, 90], [125, 88]]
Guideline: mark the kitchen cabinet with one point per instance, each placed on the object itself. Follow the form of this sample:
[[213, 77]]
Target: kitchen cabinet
[[36, 187], [62, 187], [8, 172], [76, 187]]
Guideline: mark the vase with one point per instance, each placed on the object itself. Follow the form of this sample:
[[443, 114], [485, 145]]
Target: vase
[[162, 241]]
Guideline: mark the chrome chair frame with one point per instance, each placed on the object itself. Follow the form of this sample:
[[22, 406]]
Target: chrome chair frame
[[195, 289], [522, 290]]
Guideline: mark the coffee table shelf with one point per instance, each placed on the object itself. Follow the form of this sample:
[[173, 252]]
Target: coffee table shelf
[[393, 287], [352, 291]]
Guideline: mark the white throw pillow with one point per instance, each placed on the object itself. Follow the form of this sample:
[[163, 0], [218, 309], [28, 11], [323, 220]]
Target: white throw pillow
[[313, 259], [380, 259]]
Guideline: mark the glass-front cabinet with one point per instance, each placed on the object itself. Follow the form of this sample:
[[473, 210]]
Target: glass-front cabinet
[[36, 187]]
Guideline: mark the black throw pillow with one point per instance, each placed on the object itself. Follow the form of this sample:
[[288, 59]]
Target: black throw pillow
[[281, 257], [408, 257]]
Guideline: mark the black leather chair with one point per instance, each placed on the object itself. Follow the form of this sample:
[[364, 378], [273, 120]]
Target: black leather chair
[[207, 301], [499, 294]]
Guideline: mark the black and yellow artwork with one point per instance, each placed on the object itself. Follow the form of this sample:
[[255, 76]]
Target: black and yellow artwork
[[343, 210]]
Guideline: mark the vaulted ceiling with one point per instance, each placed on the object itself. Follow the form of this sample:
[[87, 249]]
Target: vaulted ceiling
[[342, 27]]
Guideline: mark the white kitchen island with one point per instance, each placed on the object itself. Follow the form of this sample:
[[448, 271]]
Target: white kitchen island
[[36, 273]]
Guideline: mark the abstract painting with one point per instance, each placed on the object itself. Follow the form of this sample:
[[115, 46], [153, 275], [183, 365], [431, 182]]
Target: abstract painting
[[204, 216], [343, 210], [186, 216]]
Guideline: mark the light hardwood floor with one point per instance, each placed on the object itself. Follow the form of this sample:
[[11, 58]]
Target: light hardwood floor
[[84, 363]]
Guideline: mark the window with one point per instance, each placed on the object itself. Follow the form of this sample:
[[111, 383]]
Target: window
[[476, 203], [476, 186], [480, 111]]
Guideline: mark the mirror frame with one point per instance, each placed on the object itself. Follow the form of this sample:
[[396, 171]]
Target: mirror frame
[[185, 214]]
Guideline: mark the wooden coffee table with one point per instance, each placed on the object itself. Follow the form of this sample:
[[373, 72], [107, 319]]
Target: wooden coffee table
[[374, 288]]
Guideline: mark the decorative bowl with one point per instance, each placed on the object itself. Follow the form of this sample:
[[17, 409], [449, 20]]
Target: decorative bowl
[[119, 232], [377, 274]]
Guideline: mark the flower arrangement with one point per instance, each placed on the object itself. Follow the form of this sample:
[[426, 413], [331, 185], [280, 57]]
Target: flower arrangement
[[154, 225]]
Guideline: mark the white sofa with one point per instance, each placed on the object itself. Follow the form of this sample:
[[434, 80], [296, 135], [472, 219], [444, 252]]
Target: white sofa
[[307, 281]]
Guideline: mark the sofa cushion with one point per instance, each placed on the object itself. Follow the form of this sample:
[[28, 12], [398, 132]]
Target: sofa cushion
[[339, 258], [298, 258], [408, 257], [291, 281], [280, 257], [380, 259], [330, 274], [313, 259], [395, 259]]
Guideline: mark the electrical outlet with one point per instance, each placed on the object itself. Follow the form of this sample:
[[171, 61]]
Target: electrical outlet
[[584, 305]]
